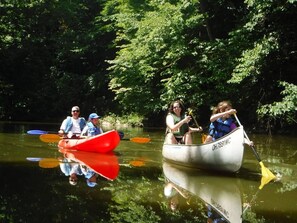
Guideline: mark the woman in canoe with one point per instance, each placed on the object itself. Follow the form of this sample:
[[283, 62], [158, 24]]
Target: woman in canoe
[[92, 128], [178, 129], [221, 121]]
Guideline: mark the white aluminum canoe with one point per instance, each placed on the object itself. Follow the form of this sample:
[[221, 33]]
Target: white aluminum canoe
[[224, 154]]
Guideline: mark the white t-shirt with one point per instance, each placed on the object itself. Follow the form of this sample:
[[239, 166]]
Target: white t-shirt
[[75, 125]]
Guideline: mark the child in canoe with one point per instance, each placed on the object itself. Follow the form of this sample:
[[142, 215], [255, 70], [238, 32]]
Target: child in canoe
[[92, 127], [221, 121]]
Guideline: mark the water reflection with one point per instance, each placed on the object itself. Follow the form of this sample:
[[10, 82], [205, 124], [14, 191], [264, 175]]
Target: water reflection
[[86, 165], [29, 193], [104, 164], [221, 195]]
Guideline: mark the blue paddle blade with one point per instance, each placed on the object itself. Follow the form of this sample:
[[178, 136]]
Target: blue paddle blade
[[121, 134], [33, 159], [36, 132]]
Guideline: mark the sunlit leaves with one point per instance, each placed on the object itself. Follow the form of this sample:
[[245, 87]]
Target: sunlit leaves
[[152, 46], [252, 60], [287, 108]]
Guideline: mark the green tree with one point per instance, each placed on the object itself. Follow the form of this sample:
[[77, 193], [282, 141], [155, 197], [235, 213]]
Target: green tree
[[267, 45], [166, 53], [202, 52], [53, 56]]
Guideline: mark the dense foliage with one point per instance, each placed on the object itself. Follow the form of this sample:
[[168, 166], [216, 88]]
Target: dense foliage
[[119, 56]]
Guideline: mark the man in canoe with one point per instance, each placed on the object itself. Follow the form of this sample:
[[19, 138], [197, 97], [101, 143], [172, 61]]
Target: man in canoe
[[178, 129], [73, 125], [92, 128]]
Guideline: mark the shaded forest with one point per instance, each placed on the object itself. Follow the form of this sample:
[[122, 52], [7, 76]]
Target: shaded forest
[[136, 56]]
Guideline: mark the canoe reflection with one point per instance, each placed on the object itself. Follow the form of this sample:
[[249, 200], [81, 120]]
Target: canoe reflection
[[221, 195], [89, 165]]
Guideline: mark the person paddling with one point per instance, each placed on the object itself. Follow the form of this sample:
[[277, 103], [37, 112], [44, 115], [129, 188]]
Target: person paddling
[[92, 128], [178, 129], [221, 121], [73, 125]]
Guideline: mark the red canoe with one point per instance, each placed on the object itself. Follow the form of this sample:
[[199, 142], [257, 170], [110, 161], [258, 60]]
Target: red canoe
[[104, 164], [102, 143]]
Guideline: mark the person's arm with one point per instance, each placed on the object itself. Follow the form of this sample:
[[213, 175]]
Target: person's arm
[[84, 132], [195, 129], [221, 114], [63, 127]]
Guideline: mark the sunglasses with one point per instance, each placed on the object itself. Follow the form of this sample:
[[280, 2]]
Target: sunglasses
[[75, 111]]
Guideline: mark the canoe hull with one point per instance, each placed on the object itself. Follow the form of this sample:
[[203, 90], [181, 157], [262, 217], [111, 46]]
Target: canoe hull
[[102, 143], [225, 154]]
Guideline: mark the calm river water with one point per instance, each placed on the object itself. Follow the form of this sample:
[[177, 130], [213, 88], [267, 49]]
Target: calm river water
[[144, 188]]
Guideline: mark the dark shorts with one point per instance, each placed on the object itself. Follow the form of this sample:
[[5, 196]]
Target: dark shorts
[[180, 140]]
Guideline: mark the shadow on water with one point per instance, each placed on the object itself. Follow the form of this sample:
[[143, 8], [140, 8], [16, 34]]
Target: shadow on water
[[135, 185]]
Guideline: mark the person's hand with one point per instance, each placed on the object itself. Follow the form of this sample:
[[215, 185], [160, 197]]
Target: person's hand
[[200, 129], [70, 134], [83, 137], [187, 119], [61, 132], [232, 111]]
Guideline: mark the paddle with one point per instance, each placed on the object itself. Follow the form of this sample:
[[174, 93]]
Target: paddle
[[39, 132], [54, 162], [45, 162], [140, 140], [203, 136], [265, 171], [49, 137], [264, 181], [134, 139]]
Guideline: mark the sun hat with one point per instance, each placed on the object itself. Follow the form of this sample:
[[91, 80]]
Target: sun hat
[[93, 115]]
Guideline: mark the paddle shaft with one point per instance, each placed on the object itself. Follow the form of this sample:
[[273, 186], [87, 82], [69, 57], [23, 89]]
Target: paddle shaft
[[265, 172], [250, 203], [196, 123], [246, 136], [49, 138], [203, 136]]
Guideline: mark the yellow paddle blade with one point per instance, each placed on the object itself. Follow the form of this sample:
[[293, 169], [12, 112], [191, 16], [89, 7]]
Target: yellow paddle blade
[[49, 163], [136, 163], [266, 172], [49, 138], [265, 180], [140, 140]]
